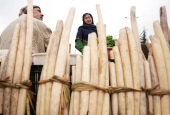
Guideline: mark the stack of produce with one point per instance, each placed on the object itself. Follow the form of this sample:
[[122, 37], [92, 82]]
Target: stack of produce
[[159, 60], [57, 60], [141, 78], [43, 100], [95, 71], [128, 77], [85, 68], [125, 73], [141, 103], [17, 67], [132, 70], [61, 63]]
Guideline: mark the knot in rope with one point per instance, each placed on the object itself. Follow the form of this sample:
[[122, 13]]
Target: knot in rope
[[110, 90]]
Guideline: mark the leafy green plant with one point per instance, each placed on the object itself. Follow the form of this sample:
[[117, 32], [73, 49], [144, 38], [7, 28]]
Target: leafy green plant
[[110, 41]]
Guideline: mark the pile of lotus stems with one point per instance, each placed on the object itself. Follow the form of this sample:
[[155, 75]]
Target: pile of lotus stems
[[93, 68], [127, 68], [125, 73], [130, 69], [87, 70], [149, 73], [17, 66], [44, 95], [57, 62]]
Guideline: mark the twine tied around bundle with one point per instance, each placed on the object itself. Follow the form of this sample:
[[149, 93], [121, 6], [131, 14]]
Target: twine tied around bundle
[[86, 86], [65, 91], [23, 85], [156, 92]]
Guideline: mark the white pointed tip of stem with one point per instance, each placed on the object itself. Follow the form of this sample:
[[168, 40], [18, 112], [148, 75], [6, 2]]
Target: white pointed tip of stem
[[122, 30], [156, 21], [97, 5], [127, 28], [150, 36], [59, 21], [164, 7], [72, 8], [93, 34], [133, 8]]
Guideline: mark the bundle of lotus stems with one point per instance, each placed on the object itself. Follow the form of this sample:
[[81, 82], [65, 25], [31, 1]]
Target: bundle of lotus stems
[[17, 66], [128, 68], [128, 71], [135, 85], [57, 63], [44, 91], [94, 71], [146, 73], [130, 65]]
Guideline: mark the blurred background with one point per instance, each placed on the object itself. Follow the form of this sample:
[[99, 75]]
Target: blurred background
[[116, 14]]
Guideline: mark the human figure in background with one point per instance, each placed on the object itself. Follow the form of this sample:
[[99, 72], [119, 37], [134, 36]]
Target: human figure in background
[[41, 33], [83, 31], [36, 12]]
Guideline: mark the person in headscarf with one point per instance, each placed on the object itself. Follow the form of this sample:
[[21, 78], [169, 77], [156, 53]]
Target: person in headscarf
[[41, 33], [83, 31]]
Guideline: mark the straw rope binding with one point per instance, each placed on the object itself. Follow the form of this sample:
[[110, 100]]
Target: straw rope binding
[[65, 92], [86, 86], [23, 85]]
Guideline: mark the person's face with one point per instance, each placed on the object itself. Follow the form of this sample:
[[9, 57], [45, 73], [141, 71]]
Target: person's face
[[37, 14], [88, 19]]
